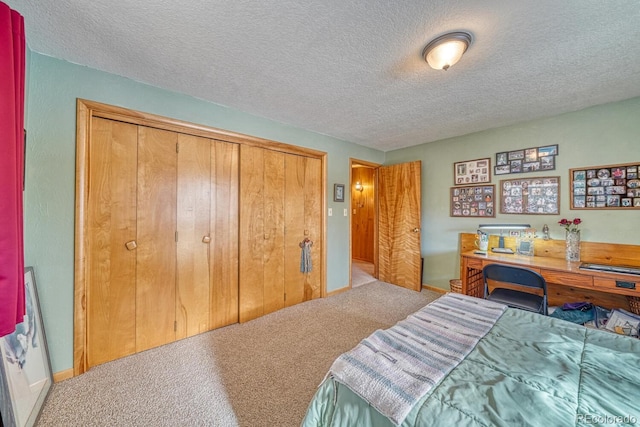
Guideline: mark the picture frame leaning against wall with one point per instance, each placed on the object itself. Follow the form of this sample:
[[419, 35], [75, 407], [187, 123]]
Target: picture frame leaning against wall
[[25, 369]]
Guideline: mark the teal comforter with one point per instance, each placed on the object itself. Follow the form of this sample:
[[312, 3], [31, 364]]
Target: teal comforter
[[529, 370]]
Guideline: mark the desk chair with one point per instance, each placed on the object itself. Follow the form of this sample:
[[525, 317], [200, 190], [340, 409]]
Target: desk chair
[[522, 278]]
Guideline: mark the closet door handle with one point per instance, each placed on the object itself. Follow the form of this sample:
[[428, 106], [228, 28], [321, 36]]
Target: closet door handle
[[416, 230], [131, 245], [206, 239]]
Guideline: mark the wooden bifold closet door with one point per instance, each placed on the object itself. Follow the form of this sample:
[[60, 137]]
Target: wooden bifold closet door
[[280, 206], [155, 241], [193, 209], [182, 228], [111, 236], [157, 272]]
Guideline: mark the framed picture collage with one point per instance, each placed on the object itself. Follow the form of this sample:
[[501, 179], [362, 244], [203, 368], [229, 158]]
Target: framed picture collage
[[473, 196], [594, 187], [606, 187], [472, 172], [473, 201], [526, 160], [535, 196]]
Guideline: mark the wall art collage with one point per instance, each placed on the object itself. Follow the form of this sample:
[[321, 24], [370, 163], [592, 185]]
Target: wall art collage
[[606, 187], [473, 201], [526, 160], [535, 196], [472, 172]]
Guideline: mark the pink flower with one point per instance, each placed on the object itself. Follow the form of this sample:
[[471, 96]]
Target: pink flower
[[570, 225]]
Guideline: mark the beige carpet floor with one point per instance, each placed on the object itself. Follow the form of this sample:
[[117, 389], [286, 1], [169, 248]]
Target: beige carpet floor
[[361, 273], [260, 373]]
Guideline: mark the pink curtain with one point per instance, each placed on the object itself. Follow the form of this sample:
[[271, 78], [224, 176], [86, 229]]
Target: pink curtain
[[12, 69]]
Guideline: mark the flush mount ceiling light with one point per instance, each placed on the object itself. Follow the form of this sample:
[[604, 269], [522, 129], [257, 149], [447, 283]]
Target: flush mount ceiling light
[[444, 51]]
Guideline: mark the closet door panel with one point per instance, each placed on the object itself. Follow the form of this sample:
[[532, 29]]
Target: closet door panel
[[224, 234], [295, 228], [274, 179], [313, 223], [193, 217], [252, 233], [156, 258], [111, 267]]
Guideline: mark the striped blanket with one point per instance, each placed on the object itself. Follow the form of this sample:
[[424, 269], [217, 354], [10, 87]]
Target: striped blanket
[[393, 368]]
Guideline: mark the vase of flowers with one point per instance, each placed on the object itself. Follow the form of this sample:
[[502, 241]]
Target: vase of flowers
[[572, 252]]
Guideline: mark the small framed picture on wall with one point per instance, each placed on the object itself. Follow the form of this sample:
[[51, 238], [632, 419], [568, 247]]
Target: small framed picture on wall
[[338, 192], [472, 172]]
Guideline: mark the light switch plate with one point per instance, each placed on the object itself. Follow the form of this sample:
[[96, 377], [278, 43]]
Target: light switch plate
[[330, 211], [346, 212]]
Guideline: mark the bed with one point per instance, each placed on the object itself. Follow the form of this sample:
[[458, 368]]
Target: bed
[[515, 368]]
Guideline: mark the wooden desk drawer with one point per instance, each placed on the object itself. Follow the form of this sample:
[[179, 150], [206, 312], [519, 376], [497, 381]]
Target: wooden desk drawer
[[571, 279], [489, 262], [474, 263], [630, 284]]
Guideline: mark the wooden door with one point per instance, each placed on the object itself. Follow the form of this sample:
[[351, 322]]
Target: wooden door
[[303, 200], [252, 233], [223, 248], [399, 252], [193, 237], [273, 260], [296, 231], [111, 223], [156, 242], [261, 232], [313, 225], [139, 230], [281, 205]]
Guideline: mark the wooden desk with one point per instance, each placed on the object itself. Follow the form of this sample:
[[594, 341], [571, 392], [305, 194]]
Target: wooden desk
[[566, 282]]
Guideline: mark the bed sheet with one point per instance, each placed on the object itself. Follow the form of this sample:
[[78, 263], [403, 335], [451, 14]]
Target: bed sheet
[[529, 370]]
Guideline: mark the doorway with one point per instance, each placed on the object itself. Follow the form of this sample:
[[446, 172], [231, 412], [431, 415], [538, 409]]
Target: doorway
[[364, 222]]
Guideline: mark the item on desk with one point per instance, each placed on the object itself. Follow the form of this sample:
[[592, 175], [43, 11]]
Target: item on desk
[[545, 232], [611, 268], [572, 251], [529, 233], [502, 250], [482, 241], [525, 242]]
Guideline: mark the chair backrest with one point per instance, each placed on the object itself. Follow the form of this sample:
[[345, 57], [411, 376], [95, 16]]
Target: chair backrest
[[513, 275]]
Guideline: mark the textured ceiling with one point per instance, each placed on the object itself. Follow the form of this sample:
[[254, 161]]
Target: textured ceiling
[[353, 69]]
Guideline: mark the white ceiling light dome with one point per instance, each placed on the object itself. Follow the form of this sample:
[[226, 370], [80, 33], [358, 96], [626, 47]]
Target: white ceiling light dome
[[446, 50]]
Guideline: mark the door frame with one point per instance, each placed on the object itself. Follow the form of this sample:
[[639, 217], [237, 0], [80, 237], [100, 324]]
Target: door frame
[[86, 110], [353, 162]]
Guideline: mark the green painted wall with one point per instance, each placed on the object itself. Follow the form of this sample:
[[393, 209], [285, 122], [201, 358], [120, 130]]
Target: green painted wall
[[53, 86], [602, 135]]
